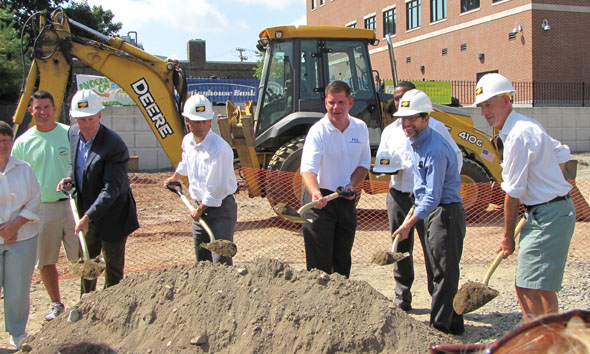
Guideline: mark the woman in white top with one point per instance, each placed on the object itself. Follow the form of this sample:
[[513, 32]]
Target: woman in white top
[[20, 198]]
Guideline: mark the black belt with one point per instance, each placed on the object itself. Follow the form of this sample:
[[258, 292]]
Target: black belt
[[62, 199], [399, 192], [556, 199]]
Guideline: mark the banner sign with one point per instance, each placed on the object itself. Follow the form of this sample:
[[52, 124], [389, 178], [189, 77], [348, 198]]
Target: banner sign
[[109, 92], [438, 91], [221, 90], [216, 90]]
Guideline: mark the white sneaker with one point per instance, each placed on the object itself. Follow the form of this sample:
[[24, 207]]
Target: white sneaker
[[55, 308], [17, 340]]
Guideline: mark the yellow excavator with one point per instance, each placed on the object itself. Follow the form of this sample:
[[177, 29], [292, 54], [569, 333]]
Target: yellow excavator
[[150, 81]]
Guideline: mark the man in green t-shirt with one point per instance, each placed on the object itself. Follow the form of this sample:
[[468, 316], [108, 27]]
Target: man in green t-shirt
[[45, 147]]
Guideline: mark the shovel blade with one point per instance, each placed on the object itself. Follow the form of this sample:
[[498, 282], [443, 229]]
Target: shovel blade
[[289, 213], [386, 258], [90, 269], [471, 296], [223, 248]]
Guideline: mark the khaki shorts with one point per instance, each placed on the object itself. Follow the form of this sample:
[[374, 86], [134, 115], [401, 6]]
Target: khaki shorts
[[57, 226]]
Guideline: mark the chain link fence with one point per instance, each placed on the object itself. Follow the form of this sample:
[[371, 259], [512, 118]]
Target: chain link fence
[[164, 238]]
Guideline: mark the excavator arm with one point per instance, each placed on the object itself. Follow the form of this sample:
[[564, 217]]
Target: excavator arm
[[147, 79]]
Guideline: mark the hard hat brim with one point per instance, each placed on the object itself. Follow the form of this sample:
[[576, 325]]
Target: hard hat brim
[[406, 112], [87, 113], [199, 117]]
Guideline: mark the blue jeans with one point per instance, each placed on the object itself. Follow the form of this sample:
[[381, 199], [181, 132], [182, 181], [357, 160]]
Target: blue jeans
[[17, 261]]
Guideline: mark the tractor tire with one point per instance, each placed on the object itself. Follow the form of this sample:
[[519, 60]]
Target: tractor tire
[[283, 181], [476, 189]]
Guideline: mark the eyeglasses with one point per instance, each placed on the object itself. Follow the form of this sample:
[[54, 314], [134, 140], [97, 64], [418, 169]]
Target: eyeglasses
[[412, 118]]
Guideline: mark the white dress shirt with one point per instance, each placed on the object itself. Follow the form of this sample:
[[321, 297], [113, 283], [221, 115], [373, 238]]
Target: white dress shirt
[[394, 140], [334, 155], [209, 166], [531, 170], [20, 195]]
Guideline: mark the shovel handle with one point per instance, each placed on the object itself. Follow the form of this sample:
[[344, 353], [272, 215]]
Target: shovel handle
[[188, 204], [316, 202], [499, 256], [396, 239], [81, 238]]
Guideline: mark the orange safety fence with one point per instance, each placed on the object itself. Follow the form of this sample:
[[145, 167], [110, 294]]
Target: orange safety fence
[[164, 237]]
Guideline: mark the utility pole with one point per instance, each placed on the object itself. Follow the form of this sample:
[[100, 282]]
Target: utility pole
[[242, 56]]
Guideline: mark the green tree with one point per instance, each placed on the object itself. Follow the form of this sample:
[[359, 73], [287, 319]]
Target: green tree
[[259, 64], [11, 64], [96, 18], [23, 9]]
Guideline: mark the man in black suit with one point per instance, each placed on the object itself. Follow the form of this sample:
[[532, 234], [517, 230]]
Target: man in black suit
[[99, 172]]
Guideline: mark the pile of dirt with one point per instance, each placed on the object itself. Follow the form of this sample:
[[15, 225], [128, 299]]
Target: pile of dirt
[[264, 307]]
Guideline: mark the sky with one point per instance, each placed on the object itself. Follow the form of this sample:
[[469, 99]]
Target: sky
[[165, 27]]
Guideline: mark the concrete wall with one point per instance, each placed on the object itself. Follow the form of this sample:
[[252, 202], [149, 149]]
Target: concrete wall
[[570, 125]]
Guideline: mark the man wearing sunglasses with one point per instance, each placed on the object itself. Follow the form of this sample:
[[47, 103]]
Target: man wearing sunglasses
[[438, 203]]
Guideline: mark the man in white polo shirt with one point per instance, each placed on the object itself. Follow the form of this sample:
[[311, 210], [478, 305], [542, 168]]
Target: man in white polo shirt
[[336, 154]]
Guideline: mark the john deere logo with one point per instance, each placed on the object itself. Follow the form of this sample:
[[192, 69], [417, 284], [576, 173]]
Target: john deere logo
[[199, 109], [478, 91], [83, 104], [405, 103], [384, 161]]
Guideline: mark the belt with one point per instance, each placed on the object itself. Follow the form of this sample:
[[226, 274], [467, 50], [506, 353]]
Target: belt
[[62, 199], [398, 191], [556, 199]]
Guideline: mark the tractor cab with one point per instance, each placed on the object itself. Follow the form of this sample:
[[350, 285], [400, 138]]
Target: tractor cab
[[298, 64]]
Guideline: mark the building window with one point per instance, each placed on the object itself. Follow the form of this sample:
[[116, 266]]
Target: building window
[[444, 51], [389, 19], [313, 4], [463, 47], [408, 59], [371, 23], [468, 5], [322, 2], [413, 14], [438, 10]]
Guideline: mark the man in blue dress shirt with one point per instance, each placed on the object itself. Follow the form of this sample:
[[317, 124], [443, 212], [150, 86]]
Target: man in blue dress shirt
[[437, 186]]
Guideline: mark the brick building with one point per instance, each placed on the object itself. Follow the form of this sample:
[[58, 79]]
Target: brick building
[[525, 40]]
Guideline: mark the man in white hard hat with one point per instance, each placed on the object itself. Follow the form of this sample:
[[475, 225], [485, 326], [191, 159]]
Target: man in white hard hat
[[399, 200], [45, 147], [207, 160], [336, 154], [438, 203], [531, 175], [105, 204]]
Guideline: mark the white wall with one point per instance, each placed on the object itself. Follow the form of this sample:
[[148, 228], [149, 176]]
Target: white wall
[[570, 125]]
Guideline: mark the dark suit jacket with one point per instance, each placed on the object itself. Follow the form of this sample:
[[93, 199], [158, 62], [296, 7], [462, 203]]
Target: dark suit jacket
[[105, 195]]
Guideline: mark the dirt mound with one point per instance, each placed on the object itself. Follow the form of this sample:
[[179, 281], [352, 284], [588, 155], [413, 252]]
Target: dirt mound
[[265, 307]]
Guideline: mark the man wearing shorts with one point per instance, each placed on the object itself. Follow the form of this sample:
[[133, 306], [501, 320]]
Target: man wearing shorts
[[45, 147], [532, 176]]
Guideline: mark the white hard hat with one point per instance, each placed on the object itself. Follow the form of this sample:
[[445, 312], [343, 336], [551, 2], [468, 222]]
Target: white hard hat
[[197, 108], [491, 85], [85, 103], [172, 57], [387, 162], [413, 102]]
